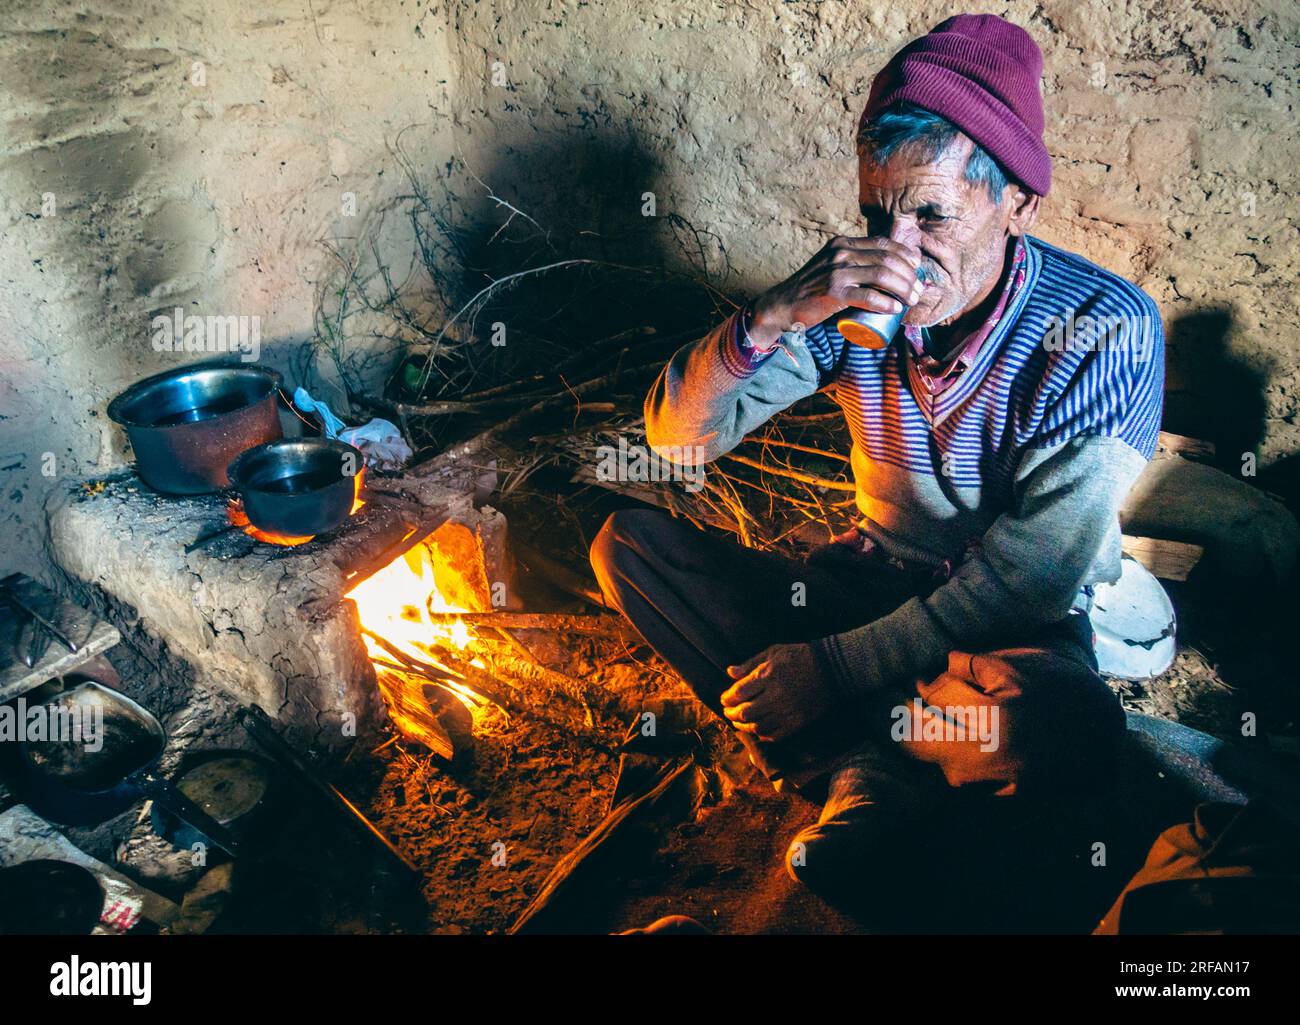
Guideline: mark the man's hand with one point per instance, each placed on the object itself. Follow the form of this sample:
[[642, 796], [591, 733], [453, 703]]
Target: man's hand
[[777, 692], [845, 272]]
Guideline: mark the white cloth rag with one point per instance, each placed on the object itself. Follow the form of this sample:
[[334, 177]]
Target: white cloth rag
[[379, 441]]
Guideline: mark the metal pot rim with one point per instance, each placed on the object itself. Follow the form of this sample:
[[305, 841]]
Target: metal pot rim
[[117, 406], [235, 471]]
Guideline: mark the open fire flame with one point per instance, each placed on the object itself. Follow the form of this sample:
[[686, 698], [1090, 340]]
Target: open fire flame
[[394, 603], [238, 518]]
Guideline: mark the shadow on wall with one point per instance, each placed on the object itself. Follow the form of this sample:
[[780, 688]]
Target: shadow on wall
[[1282, 478], [600, 198], [1210, 392]]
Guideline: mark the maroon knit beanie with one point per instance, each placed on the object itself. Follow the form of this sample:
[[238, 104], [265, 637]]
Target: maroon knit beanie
[[982, 74]]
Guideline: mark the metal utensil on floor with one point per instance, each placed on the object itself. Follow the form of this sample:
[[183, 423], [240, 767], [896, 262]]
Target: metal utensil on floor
[[237, 788], [119, 762], [260, 728], [35, 633]]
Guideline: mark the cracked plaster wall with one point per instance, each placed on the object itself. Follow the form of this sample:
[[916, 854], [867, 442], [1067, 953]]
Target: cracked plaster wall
[[1167, 122]]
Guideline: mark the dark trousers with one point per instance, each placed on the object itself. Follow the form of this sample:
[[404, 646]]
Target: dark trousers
[[703, 603]]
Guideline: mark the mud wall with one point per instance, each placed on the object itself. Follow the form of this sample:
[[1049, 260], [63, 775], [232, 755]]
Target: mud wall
[[156, 155], [1171, 126]]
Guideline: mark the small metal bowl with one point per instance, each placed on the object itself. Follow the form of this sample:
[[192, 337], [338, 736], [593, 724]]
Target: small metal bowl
[[297, 486]]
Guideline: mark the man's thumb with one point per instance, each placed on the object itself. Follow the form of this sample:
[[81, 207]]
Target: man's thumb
[[746, 667]]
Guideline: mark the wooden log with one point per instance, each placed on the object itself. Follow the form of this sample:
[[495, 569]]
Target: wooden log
[[1245, 533], [549, 711], [393, 534], [411, 713], [470, 676], [450, 407], [530, 671], [1168, 560], [514, 644], [566, 875], [599, 625]]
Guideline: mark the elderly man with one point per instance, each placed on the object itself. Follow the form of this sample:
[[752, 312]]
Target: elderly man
[[994, 440]]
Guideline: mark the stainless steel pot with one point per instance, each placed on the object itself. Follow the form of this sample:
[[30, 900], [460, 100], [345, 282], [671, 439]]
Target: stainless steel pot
[[297, 486], [186, 425]]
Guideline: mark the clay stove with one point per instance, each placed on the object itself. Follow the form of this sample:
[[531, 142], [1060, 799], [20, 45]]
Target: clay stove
[[280, 625]]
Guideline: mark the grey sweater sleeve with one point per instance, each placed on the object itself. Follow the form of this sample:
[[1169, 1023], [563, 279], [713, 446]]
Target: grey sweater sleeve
[[1027, 570], [716, 390]]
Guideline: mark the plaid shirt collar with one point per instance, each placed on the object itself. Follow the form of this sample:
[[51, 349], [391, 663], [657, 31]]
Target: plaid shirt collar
[[937, 375]]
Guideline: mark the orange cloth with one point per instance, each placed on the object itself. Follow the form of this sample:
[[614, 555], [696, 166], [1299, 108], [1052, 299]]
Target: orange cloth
[[1232, 869]]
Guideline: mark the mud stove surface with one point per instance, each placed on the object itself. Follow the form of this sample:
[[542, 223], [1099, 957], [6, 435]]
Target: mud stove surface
[[349, 647]]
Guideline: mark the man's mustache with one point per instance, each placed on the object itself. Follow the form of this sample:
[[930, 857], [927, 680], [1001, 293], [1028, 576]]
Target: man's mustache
[[926, 274]]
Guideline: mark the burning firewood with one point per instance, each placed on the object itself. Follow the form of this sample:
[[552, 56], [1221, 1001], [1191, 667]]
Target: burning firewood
[[599, 625], [415, 719], [527, 671], [474, 679]]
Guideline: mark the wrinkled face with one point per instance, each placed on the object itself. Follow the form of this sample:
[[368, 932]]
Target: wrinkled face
[[959, 230]]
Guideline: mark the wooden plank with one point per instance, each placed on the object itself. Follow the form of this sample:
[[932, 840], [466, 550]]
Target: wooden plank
[[1182, 445], [93, 636], [576, 867], [1168, 560]]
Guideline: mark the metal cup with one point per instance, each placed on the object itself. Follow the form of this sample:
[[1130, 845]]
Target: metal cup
[[867, 329], [874, 330]]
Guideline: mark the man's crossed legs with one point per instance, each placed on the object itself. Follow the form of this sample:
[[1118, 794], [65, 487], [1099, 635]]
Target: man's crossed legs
[[704, 603]]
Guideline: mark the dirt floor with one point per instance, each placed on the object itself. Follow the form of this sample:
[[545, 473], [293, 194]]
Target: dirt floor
[[488, 831]]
